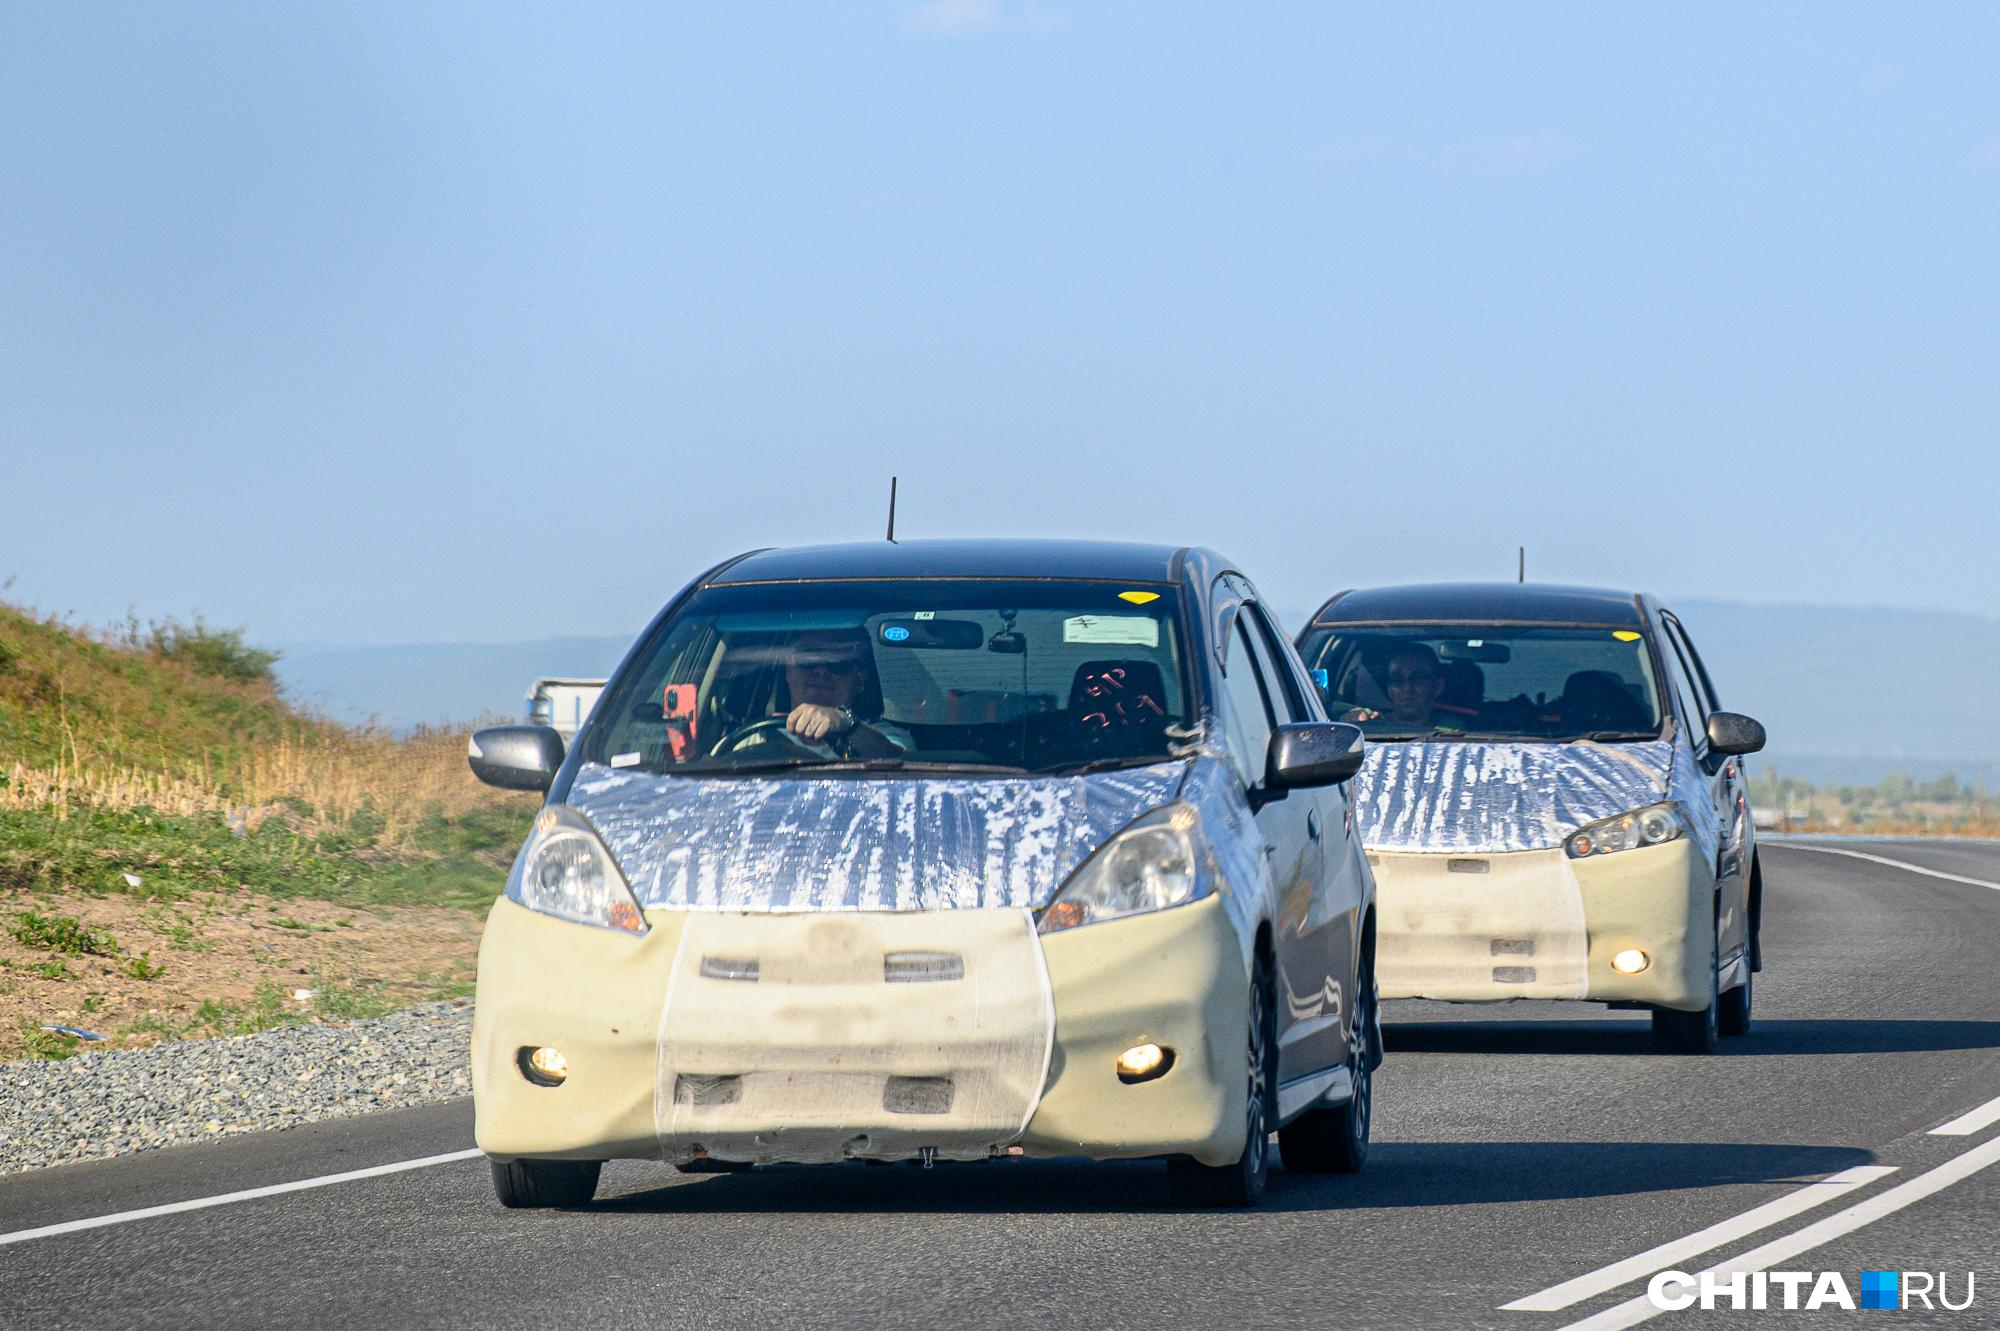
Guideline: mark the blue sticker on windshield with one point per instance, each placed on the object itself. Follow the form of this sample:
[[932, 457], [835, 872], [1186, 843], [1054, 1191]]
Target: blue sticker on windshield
[[1320, 678], [895, 632]]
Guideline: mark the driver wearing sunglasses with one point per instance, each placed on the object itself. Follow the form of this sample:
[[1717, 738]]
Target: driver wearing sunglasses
[[836, 697]]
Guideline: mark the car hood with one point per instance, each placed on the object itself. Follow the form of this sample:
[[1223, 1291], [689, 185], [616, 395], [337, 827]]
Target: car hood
[[802, 843], [1444, 796]]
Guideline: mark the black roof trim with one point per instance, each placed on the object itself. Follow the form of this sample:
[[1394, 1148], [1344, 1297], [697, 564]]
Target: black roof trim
[[1051, 560], [1485, 602]]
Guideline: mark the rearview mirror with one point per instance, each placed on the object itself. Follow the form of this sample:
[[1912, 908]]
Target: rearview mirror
[[951, 635], [515, 757], [1733, 732], [1476, 649], [1313, 753]]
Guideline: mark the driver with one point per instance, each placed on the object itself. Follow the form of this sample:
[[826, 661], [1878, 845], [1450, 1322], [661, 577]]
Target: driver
[[1413, 681], [837, 698]]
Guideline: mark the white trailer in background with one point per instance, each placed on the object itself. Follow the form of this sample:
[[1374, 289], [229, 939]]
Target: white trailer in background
[[562, 703]]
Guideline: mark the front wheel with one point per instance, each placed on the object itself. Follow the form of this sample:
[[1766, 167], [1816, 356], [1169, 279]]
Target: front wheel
[[1677, 1032], [523, 1184], [1242, 1183], [1733, 1015]]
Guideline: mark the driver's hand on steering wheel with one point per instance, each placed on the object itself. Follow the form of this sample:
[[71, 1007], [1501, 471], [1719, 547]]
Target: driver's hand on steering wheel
[[815, 721]]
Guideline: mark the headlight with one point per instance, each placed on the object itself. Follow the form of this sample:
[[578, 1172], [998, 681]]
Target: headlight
[[1654, 825], [1158, 861], [564, 870]]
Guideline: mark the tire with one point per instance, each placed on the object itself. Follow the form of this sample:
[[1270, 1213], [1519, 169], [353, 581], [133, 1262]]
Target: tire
[[1335, 1141], [1732, 1015], [1677, 1032], [1242, 1183], [525, 1184]]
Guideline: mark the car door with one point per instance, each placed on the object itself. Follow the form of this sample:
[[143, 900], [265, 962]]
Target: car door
[[1290, 851], [1324, 934], [1727, 785]]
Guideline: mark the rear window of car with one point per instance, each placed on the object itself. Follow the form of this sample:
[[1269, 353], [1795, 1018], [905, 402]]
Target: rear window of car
[[1497, 681], [1038, 676]]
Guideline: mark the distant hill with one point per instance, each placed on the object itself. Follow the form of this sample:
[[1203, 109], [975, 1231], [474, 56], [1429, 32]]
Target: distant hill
[[1847, 694]]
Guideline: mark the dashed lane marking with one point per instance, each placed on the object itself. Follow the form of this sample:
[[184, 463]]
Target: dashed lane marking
[[1965, 1125], [1607, 1278], [1821, 1232]]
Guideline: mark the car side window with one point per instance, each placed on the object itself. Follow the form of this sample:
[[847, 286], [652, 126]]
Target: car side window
[[1704, 686], [1287, 698], [1684, 691], [1247, 715]]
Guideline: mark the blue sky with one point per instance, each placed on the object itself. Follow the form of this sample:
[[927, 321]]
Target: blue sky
[[431, 322]]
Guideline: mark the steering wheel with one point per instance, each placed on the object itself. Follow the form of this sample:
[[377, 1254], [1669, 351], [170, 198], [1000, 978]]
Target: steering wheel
[[738, 739]]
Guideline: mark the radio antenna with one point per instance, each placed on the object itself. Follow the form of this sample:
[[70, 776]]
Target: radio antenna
[[892, 510], [1521, 564]]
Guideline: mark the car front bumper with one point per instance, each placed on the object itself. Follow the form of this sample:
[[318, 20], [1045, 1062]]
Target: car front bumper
[[816, 1063], [1468, 927]]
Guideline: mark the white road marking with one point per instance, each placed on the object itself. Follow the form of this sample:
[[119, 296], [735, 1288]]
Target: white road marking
[[224, 1199], [1862, 1213], [1670, 1254], [1968, 1123], [1894, 864]]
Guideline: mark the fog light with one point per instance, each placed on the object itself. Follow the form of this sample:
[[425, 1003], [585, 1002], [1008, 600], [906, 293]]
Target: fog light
[[1143, 1062], [544, 1066], [1631, 961]]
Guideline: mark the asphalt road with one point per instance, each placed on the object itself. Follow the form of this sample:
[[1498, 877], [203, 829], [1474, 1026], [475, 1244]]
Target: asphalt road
[[1517, 1148]]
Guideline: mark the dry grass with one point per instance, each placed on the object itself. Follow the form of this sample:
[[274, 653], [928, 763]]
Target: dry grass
[[319, 774]]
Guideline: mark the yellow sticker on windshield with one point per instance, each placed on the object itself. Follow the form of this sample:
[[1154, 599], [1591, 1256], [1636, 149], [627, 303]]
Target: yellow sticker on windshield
[[1138, 598], [1625, 635]]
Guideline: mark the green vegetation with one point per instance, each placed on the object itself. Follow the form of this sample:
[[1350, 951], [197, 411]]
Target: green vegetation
[[1895, 805], [51, 1044], [143, 967], [156, 761], [271, 1007], [444, 861], [155, 770], [159, 698], [220, 653], [61, 933]]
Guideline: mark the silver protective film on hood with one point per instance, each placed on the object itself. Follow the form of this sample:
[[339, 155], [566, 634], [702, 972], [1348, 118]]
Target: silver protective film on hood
[[801, 843], [1484, 797]]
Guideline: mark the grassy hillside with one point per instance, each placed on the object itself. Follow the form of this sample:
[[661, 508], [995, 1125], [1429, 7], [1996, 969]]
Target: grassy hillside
[[176, 840]]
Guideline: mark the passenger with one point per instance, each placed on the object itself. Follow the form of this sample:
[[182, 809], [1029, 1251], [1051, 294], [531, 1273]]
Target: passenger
[[1413, 682], [837, 698]]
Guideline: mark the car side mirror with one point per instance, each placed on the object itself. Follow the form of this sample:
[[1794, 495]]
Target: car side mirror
[[516, 757], [1733, 732], [1313, 753]]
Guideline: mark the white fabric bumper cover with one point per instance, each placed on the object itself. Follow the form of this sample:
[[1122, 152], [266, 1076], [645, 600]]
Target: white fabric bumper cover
[[821, 1037], [1480, 927]]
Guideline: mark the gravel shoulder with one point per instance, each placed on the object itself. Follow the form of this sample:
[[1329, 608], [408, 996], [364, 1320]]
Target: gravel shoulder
[[116, 1101]]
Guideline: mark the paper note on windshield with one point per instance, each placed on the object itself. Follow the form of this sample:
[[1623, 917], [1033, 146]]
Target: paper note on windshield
[[1127, 630]]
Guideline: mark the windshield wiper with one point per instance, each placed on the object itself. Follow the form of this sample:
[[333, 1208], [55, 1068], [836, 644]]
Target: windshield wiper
[[1103, 765], [809, 764], [1612, 736]]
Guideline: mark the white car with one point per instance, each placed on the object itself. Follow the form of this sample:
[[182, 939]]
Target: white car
[[936, 850], [1553, 801]]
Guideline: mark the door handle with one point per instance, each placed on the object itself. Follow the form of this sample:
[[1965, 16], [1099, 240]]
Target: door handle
[[1312, 823]]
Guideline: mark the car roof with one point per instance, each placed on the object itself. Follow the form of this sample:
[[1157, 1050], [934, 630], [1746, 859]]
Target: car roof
[[1108, 560], [1482, 602]]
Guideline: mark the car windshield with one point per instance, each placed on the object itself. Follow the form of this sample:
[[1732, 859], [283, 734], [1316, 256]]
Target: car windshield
[[1498, 681], [903, 675]]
